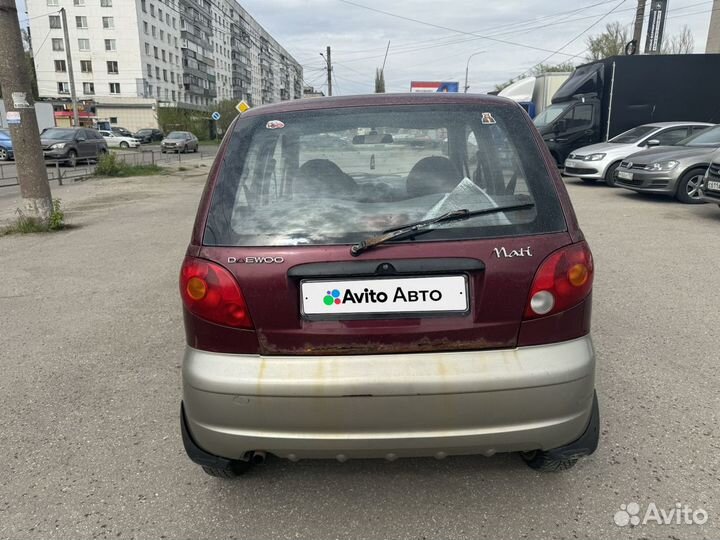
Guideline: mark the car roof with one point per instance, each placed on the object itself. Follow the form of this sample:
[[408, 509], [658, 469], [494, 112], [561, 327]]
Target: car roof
[[370, 100], [673, 124]]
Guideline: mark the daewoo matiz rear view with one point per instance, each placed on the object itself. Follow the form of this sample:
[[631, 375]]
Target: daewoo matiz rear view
[[349, 295]]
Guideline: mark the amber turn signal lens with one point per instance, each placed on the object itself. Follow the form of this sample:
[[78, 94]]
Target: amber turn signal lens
[[196, 288], [578, 275]]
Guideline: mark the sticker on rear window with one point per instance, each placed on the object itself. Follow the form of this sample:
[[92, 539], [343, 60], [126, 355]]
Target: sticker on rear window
[[487, 118], [275, 124]]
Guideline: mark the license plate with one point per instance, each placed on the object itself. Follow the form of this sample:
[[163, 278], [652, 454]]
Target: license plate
[[713, 185], [625, 175], [572, 163], [441, 294]]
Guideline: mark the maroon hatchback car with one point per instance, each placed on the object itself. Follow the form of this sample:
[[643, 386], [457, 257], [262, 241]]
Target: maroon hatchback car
[[353, 299]]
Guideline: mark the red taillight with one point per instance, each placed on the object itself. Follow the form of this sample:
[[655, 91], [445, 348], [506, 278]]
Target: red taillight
[[209, 291], [564, 278]]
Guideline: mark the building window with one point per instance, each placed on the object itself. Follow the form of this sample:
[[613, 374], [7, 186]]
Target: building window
[[63, 88], [155, 51], [60, 66], [173, 95], [54, 21], [108, 22], [52, 2], [175, 43], [88, 88], [112, 67], [81, 22], [145, 27], [167, 19], [109, 44], [152, 10], [157, 73], [162, 35], [78, 2], [114, 88], [84, 44], [57, 44], [170, 57], [154, 31], [165, 75], [147, 49], [167, 94], [157, 91], [160, 14], [174, 22], [105, 3], [85, 66], [113, 120], [144, 7], [172, 77], [163, 55]]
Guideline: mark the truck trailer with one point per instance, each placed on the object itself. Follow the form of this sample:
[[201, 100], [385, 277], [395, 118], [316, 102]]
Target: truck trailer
[[605, 98]]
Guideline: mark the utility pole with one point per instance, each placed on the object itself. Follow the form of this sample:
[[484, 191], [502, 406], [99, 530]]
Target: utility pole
[[328, 61], [639, 19], [18, 99], [71, 72]]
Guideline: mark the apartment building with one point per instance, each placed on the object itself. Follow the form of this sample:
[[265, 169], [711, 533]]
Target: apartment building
[[131, 56]]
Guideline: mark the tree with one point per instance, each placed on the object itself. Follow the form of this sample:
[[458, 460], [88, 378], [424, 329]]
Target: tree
[[564, 67], [682, 43], [379, 81], [610, 43]]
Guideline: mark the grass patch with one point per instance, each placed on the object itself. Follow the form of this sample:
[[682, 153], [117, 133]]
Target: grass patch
[[109, 165], [29, 225], [182, 168]]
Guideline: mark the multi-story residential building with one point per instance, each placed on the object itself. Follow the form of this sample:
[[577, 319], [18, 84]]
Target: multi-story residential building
[[131, 56]]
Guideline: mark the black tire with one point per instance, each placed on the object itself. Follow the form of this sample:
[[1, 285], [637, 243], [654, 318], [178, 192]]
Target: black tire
[[542, 461], [236, 469], [125, 145], [610, 174], [4, 156], [687, 189], [71, 158]]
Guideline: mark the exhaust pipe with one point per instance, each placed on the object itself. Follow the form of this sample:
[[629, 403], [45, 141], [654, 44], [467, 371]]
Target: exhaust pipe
[[258, 457]]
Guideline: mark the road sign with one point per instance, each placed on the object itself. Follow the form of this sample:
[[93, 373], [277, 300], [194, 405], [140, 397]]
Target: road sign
[[13, 117], [242, 107], [215, 116]]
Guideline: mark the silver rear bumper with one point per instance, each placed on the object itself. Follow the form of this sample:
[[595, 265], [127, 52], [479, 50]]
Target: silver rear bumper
[[394, 405]]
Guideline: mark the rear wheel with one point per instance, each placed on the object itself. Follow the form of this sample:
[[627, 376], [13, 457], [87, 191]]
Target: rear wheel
[[610, 174], [72, 158], [544, 462], [688, 190], [233, 471], [4, 156]]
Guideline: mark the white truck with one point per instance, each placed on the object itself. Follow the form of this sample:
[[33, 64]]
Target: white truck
[[535, 93]]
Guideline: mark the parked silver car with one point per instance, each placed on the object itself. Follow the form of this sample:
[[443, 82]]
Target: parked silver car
[[677, 170], [600, 161], [710, 190], [179, 141]]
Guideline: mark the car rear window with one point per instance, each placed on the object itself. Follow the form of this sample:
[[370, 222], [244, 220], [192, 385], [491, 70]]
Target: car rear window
[[335, 176]]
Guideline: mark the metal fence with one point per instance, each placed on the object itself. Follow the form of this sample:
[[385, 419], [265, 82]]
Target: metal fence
[[59, 172]]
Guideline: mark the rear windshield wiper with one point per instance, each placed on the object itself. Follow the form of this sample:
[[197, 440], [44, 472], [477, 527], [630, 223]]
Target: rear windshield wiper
[[425, 226]]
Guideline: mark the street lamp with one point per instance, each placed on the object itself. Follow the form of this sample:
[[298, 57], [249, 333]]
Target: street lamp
[[467, 68]]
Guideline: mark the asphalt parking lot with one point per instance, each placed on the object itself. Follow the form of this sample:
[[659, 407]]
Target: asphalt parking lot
[[90, 348]]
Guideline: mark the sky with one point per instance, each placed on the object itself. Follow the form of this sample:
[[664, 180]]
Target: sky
[[524, 33], [359, 36]]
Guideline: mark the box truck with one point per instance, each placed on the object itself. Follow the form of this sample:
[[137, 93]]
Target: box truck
[[607, 97], [535, 94]]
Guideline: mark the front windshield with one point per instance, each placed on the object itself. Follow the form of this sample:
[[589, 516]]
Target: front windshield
[[633, 135], [549, 115], [337, 176], [61, 134], [176, 135], [710, 137], [5, 133]]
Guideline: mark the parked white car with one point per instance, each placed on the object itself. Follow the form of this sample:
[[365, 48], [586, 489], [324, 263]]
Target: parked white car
[[600, 161], [114, 140]]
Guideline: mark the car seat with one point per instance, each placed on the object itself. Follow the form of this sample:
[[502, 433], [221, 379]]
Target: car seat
[[434, 174], [323, 175]]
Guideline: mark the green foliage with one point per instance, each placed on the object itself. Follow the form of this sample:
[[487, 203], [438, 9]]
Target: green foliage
[[564, 67], [610, 43], [57, 217], [110, 165], [29, 225], [227, 111], [176, 119]]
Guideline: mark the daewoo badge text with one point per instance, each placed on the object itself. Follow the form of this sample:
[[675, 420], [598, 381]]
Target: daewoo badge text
[[256, 260]]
